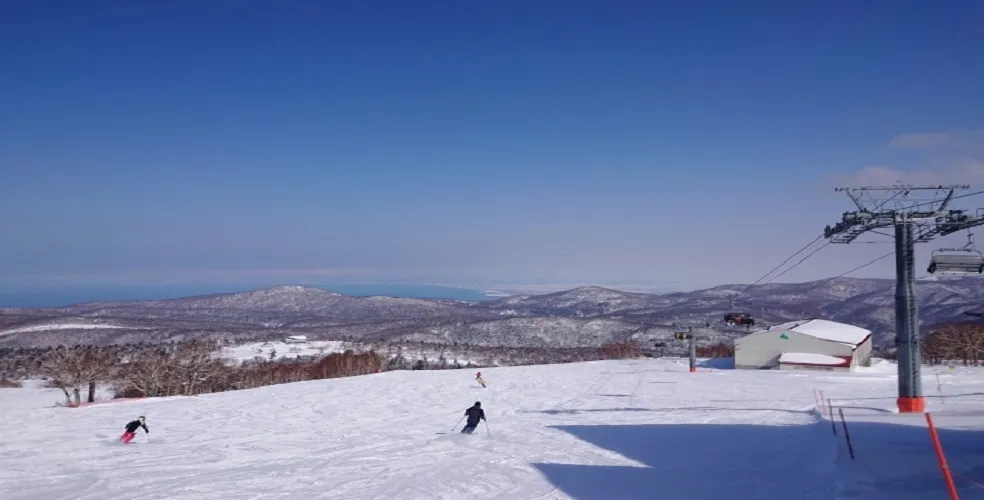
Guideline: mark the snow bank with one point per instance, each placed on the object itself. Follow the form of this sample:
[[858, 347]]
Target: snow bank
[[878, 365], [809, 358]]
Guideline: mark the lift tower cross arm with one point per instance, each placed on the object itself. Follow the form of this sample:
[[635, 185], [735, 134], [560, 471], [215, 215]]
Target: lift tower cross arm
[[913, 222]]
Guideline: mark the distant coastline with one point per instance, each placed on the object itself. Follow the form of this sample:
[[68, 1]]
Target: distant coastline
[[64, 296]]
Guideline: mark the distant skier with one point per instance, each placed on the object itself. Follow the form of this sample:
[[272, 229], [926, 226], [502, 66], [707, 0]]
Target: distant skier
[[131, 429], [478, 377], [474, 414]]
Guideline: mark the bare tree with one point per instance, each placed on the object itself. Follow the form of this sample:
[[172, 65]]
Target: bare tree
[[955, 341], [147, 374], [65, 370]]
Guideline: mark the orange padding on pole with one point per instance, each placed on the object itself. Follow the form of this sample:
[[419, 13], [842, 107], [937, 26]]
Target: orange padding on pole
[[912, 405], [942, 459]]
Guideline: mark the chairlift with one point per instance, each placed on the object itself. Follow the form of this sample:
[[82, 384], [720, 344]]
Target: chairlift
[[739, 318], [957, 261]]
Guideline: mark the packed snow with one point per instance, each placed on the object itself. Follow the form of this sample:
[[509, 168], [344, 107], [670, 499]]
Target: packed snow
[[809, 358], [827, 330], [635, 429]]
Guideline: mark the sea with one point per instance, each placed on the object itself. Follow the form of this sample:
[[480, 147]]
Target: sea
[[63, 296]]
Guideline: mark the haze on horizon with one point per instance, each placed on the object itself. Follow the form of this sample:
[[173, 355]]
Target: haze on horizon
[[473, 144]]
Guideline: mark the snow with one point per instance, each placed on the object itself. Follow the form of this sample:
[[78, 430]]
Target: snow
[[809, 358], [58, 326], [634, 429], [827, 330], [282, 350]]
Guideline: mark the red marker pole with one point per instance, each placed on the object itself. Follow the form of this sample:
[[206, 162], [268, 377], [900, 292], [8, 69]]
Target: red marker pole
[[941, 458]]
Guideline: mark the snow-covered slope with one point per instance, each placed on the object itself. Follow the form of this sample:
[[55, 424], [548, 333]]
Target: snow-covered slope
[[47, 326], [601, 430], [281, 350]]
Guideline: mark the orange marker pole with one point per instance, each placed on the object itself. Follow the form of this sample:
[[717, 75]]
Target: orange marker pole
[[942, 459]]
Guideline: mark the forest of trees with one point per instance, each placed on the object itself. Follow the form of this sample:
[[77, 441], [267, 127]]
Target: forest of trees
[[954, 342], [195, 367], [183, 368]]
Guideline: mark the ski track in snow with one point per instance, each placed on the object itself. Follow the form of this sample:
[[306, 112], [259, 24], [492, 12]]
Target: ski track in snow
[[610, 429]]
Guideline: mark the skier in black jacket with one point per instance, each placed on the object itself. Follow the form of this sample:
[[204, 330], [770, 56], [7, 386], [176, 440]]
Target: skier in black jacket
[[475, 413], [131, 429]]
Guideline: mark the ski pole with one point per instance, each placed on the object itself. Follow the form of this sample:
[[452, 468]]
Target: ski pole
[[487, 431], [458, 422]]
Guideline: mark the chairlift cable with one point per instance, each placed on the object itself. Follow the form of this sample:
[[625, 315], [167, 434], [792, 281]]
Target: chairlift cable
[[841, 275], [821, 247], [951, 199], [801, 250], [760, 280], [801, 261]]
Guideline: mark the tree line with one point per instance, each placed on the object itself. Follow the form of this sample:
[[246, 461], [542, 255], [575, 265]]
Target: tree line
[[961, 342], [196, 366], [181, 368]]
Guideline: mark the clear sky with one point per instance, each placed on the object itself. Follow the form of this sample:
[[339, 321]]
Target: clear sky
[[468, 142]]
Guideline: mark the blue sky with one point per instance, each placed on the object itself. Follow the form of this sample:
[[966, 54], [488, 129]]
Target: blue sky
[[693, 143]]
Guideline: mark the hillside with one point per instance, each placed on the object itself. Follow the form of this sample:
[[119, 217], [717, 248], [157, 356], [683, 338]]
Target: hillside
[[579, 317], [617, 429]]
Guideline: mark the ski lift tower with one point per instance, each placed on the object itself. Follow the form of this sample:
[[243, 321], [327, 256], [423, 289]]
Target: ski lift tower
[[914, 221], [691, 339]]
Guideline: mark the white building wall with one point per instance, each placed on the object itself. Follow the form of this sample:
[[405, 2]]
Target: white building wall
[[762, 350], [862, 355]]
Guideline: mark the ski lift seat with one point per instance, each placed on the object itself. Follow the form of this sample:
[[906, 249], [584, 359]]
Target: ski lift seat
[[956, 261]]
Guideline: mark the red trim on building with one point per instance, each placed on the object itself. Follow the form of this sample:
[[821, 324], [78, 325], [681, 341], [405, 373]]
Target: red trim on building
[[859, 343]]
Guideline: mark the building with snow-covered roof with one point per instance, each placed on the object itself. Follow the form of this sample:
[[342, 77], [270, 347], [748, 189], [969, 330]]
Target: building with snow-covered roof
[[813, 344]]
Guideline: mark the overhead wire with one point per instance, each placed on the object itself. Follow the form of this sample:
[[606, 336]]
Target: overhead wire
[[951, 199], [801, 261], [821, 247], [841, 275], [814, 252], [801, 250]]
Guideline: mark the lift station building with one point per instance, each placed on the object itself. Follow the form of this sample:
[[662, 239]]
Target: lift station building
[[813, 344]]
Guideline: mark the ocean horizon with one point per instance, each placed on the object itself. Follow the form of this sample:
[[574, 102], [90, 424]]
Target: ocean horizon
[[69, 295]]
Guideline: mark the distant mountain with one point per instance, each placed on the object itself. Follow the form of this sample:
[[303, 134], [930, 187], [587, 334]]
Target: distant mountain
[[578, 302], [584, 316]]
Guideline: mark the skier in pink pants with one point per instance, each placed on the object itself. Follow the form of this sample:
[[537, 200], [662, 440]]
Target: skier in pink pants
[[131, 429]]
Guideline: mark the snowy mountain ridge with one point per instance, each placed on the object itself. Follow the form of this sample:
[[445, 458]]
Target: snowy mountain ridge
[[583, 316]]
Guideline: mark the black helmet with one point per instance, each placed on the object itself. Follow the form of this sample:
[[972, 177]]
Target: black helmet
[[478, 403]]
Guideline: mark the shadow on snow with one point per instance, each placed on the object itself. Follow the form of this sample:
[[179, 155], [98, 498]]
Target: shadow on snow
[[575, 411], [710, 461]]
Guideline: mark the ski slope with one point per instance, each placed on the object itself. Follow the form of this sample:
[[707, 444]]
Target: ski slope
[[600, 430], [282, 350]]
